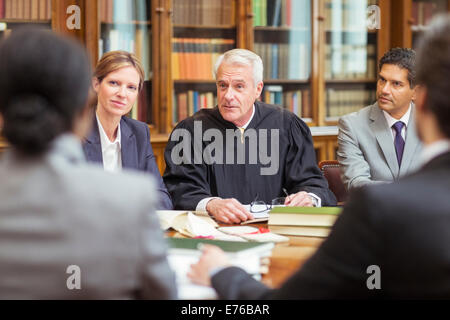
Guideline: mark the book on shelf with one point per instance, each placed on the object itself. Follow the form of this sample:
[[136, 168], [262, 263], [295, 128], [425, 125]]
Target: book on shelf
[[39, 10], [203, 12], [277, 13], [188, 102], [296, 101], [194, 58], [341, 102], [283, 60], [423, 11], [350, 61]]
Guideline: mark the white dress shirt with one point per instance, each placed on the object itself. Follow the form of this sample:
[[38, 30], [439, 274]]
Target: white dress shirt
[[201, 206], [405, 119], [111, 151]]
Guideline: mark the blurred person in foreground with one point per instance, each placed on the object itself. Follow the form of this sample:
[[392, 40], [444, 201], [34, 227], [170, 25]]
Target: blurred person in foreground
[[68, 229]]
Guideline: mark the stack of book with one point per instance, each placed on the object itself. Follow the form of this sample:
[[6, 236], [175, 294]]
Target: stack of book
[[303, 221], [26, 9]]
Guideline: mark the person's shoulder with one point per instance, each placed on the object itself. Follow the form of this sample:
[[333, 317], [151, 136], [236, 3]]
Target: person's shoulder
[[359, 117], [122, 189], [135, 125]]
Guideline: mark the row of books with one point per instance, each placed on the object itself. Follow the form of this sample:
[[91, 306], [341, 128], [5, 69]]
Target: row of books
[[194, 58], [204, 12], [189, 102], [285, 61], [423, 11], [282, 13], [346, 61], [26, 9], [296, 101], [341, 102], [347, 15], [303, 221], [124, 11], [131, 39]]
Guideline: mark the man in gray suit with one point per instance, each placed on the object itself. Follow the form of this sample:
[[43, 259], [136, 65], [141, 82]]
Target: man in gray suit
[[379, 143]]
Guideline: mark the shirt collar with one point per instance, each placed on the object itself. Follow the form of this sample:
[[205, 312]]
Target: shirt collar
[[405, 119], [431, 151], [248, 122], [105, 142]]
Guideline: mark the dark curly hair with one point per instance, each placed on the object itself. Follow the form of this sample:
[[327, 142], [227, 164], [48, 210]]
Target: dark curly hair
[[44, 83], [404, 58], [433, 69]]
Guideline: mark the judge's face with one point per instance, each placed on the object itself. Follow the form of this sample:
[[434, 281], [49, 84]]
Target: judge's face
[[236, 92], [394, 93], [117, 92]]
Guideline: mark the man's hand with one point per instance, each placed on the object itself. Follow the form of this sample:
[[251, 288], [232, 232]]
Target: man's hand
[[228, 210], [299, 199], [212, 257]]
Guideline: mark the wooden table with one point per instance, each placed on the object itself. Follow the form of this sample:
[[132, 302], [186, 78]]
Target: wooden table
[[286, 257]]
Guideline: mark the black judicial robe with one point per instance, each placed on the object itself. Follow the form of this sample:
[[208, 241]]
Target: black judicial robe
[[292, 163]]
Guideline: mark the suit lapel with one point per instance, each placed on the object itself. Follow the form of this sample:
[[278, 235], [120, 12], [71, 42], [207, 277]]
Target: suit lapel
[[411, 144], [383, 135], [92, 147], [128, 146]]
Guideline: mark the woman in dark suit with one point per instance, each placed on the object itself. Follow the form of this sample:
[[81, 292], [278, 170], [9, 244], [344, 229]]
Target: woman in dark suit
[[116, 140]]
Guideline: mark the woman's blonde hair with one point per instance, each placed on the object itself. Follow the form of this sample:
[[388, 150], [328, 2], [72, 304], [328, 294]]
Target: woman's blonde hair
[[114, 60]]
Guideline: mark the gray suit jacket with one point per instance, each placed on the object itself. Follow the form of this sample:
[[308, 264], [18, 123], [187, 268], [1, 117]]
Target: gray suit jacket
[[366, 150], [57, 211]]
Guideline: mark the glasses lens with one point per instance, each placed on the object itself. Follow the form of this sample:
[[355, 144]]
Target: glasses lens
[[278, 201], [258, 206]]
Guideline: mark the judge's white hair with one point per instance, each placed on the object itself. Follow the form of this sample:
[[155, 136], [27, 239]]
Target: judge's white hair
[[242, 57]]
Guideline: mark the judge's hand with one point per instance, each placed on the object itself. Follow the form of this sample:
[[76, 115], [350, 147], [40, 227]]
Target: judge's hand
[[228, 210], [213, 257], [299, 199]]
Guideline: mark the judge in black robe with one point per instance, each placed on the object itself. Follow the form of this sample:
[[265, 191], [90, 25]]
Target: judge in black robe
[[199, 172]]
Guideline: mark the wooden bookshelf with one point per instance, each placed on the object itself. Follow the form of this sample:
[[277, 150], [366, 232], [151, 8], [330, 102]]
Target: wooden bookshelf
[[238, 21], [413, 17]]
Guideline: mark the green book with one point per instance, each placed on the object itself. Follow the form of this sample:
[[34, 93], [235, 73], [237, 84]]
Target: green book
[[234, 248], [304, 216], [308, 210]]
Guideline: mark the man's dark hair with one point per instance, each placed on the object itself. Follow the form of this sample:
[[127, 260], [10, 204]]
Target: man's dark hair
[[433, 69], [404, 58]]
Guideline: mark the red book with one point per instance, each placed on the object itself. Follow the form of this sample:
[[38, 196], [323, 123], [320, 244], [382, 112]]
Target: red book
[[2, 9]]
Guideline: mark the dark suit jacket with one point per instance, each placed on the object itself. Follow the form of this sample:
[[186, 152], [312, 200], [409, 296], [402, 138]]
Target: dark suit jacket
[[403, 227], [137, 153]]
